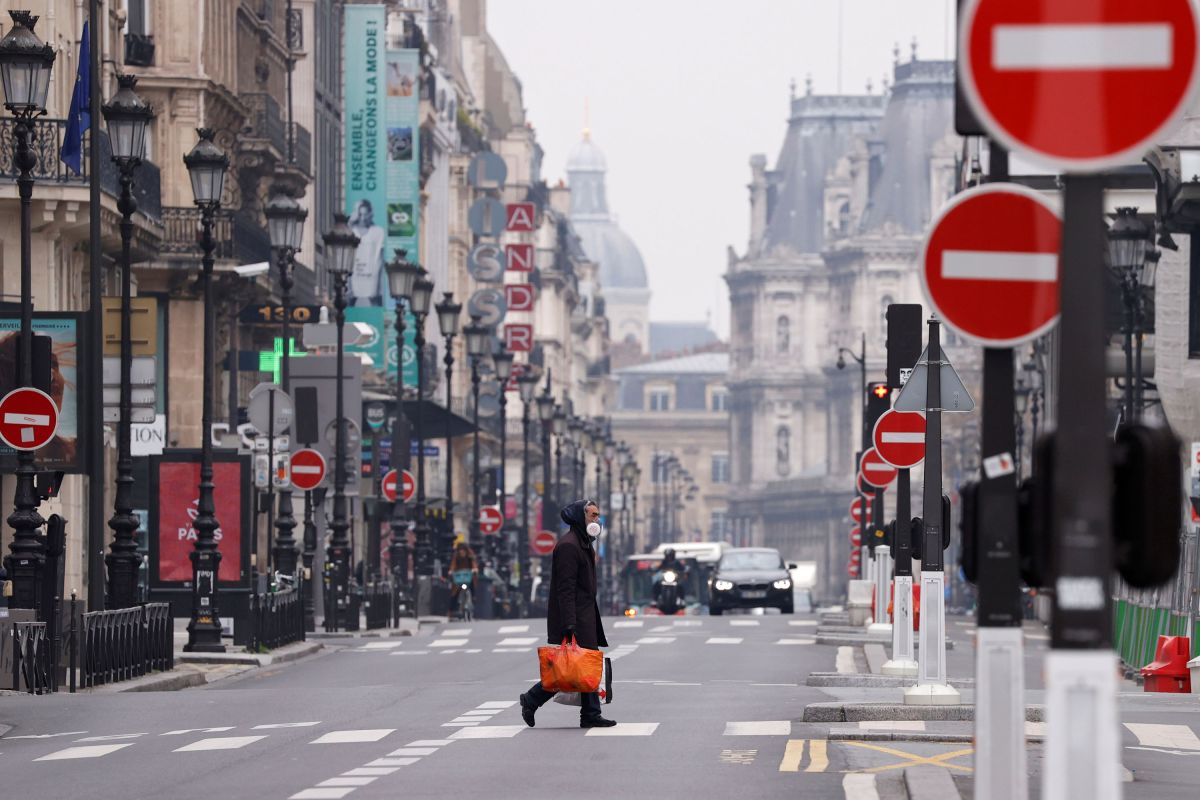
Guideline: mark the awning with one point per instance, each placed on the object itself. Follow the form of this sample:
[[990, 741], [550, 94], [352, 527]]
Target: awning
[[434, 419]]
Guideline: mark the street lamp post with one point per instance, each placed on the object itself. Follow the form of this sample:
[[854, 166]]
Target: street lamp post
[[285, 224], [1021, 394], [449, 322], [1128, 242], [502, 360], [422, 295], [628, 487], [127, 116], [402, 275], [25, 65], [477, 337], [546, 417], [527, 385], [206, 165], [340, 244]]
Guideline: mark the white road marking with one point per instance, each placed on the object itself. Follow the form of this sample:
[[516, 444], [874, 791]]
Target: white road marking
[[429, 743], [497, 704], [514, 629], [796, 641], [111, 737], [724, 640], [780, 727], [790, 685], [460, 723], [981, 265], [1176, 737], [219, 743], [661, 628], [381, 645], [345, 737], [744, 623], [184, 731], [412, 751], [410, 653], [656, 640], [87, 751], [892, 725], [845, 660], [675, 683], [457, 632], [1082, 46], [273, 725], [803, 623], [347, 781], [43, 735], [327, 793], [448, 643], [625, 729], [859, 787], [487, 713], [512, 649], [490, 732], [370, 771], [628, 623], [688, 623], [515, 641], [392, 762]]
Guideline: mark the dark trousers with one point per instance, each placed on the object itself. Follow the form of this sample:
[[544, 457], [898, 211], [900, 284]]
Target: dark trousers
[[589, 707]]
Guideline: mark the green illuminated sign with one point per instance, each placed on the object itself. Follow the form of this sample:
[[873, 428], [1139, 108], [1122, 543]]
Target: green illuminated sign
[[272, 360]]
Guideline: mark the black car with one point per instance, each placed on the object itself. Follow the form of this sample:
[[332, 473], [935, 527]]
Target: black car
[[750, 577]]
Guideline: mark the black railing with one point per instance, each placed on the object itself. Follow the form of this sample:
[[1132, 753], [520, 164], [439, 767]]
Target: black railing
[[278, 619], [303, 142], [47, 143], [32, 669], [237, 234], [125, 643], [265, 121], [378, 600]]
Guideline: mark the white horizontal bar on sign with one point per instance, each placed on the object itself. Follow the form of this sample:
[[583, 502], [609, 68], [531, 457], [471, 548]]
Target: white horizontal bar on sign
[[879, 467], [989, 265], [36, 420], [902, 437], [1082, 46], [303, 470]]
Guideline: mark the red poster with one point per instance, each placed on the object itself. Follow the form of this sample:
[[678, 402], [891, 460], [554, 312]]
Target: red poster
[[178, 498]]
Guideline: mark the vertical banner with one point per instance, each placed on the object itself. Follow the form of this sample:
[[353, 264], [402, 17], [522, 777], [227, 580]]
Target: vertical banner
[[403, 151], [366, 145]]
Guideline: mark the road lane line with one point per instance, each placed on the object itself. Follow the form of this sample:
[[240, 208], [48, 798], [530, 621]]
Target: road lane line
[[891, 725], [218, 743], [497, 704], [392, 762], [818, 760], [628, 623], [796, 641], [184, 731], [1174, 737], [490, 732], [656, 640], [517, 641], [412, 751], [327, 793], [87, 751], [448, 643], [345, 737], [860, 787], [744, 623], [625, 729], [347, 782], [845, 660], [514, 629], [725, 640], [793, 754], [272, 726], [774, 727], [114, 737], [370, 771]]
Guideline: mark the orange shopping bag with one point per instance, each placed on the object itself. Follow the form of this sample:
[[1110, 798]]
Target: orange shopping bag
[[570, 668]]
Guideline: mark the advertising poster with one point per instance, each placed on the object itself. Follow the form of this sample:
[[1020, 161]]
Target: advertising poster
[[178, 500], [381, 347], [366, 149], [65, 450], [403, 151]]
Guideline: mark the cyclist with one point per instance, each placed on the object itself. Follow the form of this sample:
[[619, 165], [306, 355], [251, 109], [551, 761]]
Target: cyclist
[[463, 569]]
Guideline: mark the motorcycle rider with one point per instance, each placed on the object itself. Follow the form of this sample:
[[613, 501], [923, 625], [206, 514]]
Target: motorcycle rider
[[669, 564]]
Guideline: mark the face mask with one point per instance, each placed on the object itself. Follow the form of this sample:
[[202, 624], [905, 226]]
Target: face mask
[[593, 530]]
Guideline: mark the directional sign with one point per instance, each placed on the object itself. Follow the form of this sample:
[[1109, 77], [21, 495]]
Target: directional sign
[[1053, 79], [899, 438], [490, 520], [875, 471], [856, 536], [990, 264], [543, 543], [856, 510], [955, 397], [28, 419], [308, 469]]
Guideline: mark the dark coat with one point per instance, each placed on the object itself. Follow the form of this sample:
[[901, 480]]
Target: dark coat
[[573, 585]]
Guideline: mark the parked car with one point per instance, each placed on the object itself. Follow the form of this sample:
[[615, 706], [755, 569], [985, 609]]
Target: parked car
[[750, 577]]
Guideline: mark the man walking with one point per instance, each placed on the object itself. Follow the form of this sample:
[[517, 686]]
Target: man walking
[[573, 610]]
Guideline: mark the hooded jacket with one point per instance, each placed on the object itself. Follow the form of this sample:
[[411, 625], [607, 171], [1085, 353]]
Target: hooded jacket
[[572, 602]]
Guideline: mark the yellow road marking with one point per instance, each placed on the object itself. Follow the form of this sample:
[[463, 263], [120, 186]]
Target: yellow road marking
[[913, 759], [818, 757], [792, 756]]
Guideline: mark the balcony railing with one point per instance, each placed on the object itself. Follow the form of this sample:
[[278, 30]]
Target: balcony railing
[[265, 121], [48, 167], [303, 142], [238, 236]]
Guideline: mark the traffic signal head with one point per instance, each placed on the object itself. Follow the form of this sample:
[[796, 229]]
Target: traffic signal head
[[879, 391], [879, 400]]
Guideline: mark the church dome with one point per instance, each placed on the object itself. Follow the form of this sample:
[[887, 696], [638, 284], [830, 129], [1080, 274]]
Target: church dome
[[621, 265], [586, 156]]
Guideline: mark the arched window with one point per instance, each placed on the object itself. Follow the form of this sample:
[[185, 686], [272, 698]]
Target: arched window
[[783, 450], [783, 335], [844, 219]]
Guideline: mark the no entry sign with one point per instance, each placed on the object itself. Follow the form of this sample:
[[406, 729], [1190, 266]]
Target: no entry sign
[[856, 536], [1055, 79], [990, 264], [308, 469], [875, 471], [398, 482], [900, 438], [864, 489], [543, 543], [856, 509], [490, 520], [28, 419]]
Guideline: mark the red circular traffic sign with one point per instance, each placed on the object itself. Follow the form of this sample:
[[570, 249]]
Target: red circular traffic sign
[[864, 489], [856, 510], [1053, 79], [308, 469], [490, 519], [407, 488], [856, 536], [543, 543], [899, 438], [990, 264], [855, 555], [408, 485], [28, 419], [875, 471], [388, 485]]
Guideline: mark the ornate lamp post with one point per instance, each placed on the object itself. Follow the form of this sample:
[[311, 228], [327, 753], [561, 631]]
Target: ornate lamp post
[[545, 407], [206, 165], [1128, 243], [502, 361], [559, 426], [127, 116], [1021, 393], [25, 65], [285, 224], [340, 244], [527, 385], [422, 295], [402, 275], [478, 339], [629, 479], [449, 322], [599, 446]]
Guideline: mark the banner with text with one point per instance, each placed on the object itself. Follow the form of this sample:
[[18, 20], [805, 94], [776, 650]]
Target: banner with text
[[403, 151]]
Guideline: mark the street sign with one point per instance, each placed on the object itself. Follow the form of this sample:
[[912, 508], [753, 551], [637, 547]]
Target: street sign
[[856, 536], [1053, 79], [989, 266], [543, 543], [490, 520], [875, 471], [143, 371], [487, 217], [308, 469], [856, 509], [899, 438], [264, 398], [408, 485], [863, 488], [955, 397], [388, 486], [856, 555], [28, 419], [376, 414]]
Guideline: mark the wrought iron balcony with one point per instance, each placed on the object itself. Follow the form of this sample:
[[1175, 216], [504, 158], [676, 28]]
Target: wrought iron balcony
[[266, 123], [239, 237], [47, 142]]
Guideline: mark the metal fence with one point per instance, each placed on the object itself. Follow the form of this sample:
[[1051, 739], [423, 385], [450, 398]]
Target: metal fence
[[1140, 616], [123, 643], [32, 668], [378, 599], [278, 618]]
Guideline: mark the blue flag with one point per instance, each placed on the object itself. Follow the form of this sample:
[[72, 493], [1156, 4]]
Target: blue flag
[[80, 118]]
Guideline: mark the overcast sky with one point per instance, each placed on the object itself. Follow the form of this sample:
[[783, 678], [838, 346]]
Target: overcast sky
[[681, 93]]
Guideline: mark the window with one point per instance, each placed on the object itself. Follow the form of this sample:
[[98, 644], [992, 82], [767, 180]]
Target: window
[[783, 335], [719, 526], [720, 467], [658, 468], [720, 400], [659, 400], [783, 451]]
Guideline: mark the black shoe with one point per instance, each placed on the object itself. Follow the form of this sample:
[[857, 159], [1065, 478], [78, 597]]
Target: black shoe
[[596, 722], [527, 710]]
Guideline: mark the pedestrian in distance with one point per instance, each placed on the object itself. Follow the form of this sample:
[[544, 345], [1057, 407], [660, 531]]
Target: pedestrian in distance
[[572, 609]]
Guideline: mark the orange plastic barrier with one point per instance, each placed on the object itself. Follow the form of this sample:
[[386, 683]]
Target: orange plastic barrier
[[1168, 672]]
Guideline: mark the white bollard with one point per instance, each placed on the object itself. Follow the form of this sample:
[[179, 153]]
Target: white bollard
[[903, 660], [931, 688], [883, 583], [1000, 715], [1082, 754]]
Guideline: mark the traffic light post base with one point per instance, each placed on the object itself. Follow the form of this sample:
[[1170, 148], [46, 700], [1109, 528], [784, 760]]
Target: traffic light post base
[[1082, 754], [883, 575], [903, 661], [1000, 714], [931, 688]]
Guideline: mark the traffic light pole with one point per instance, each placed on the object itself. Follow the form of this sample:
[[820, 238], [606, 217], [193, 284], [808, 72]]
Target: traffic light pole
[[882, 565], [903, 660], [931, 688]]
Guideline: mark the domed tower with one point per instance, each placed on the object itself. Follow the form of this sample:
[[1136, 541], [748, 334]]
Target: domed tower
[[622, 272]]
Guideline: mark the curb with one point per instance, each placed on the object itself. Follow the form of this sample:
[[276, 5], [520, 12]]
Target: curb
[[930, 783], [865, 639], [171, 681], [864, 712], [289, 652], [865, 680], [912, 736]]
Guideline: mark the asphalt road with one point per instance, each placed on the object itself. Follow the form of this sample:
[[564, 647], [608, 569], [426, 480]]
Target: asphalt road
[[708, 707]]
